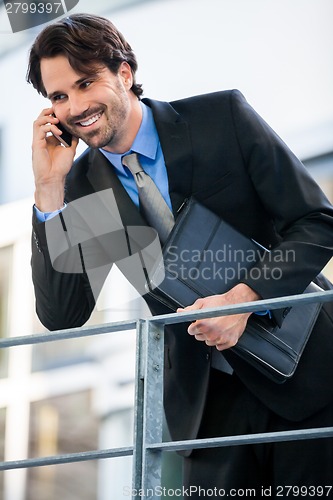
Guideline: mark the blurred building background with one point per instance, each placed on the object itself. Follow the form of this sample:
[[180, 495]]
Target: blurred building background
[[77, 395]]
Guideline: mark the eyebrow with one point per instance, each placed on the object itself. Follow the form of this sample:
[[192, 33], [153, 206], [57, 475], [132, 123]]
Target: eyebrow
[[75, 84]]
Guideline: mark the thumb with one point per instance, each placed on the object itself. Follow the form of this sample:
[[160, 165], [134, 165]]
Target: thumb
[[198, 304]]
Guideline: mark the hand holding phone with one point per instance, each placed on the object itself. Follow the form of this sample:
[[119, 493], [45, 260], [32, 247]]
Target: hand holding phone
[[65, 138], [50, 162]]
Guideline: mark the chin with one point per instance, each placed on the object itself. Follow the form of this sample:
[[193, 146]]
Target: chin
[[97, 141]]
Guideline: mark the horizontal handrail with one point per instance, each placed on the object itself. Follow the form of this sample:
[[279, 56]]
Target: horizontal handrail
[[67, 458], [172, 318], [244, 307], [259, 438], [70, 333], [267, 437]]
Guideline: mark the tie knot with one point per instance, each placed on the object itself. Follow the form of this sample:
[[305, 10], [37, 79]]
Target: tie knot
[[132, 163]]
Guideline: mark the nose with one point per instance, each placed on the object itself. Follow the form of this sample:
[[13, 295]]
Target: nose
[[77, 105]]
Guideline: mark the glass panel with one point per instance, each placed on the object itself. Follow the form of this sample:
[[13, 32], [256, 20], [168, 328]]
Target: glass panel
[[60, 425], [50, 355], [5, 269]]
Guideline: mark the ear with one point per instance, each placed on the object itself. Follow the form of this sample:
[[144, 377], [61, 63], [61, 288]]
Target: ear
[[125, 73]]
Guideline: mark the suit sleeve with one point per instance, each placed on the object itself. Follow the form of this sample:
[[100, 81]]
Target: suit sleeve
[[63, 300], [302, 215], [73, 253]]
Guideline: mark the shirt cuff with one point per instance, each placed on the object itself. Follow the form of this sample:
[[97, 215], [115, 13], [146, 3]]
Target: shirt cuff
[[44, 216], [264, 313]]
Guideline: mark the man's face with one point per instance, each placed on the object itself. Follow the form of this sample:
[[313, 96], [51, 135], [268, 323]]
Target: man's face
[[95, 107]]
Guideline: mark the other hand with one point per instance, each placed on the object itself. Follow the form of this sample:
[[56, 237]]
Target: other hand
[[222, 332]]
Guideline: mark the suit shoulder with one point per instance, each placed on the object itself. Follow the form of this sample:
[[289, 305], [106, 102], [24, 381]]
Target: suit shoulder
[[76, 178], [212, 98], [79, 167], [84, 159], [214, 104]]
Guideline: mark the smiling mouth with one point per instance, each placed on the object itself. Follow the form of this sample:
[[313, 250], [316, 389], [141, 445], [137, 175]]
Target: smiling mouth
[[91, 120]]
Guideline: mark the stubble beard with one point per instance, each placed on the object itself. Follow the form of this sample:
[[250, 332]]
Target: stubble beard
[[109, 134], [100, 138]]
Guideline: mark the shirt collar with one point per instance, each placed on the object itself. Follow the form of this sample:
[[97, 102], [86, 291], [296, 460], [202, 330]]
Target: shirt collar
[[146, 140]]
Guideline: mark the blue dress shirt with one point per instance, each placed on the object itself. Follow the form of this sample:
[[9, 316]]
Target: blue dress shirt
[[148, 147]]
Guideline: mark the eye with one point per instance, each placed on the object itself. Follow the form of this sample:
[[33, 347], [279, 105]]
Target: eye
[[58, 97], [85, 84]]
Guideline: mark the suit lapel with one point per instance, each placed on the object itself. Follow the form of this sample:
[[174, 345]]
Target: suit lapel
[[176, 146]]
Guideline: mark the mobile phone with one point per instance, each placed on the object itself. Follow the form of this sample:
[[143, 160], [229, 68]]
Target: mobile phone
[[65, 138]]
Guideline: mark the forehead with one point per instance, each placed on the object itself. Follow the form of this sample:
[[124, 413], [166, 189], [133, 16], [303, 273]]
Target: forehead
[[57, 71], [58, 74]]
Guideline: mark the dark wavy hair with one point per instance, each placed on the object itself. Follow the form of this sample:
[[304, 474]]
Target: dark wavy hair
[[87, 41]]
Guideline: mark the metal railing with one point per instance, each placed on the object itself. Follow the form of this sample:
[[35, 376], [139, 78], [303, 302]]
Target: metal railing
[[148, 411]]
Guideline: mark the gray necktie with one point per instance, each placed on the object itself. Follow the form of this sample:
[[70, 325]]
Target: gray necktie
[[152, 203]]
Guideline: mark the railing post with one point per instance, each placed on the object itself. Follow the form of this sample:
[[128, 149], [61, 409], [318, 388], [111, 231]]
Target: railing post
[[153, 408], [141, 337]]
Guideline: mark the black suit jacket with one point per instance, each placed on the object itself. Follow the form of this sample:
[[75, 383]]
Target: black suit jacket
[[218, 149]]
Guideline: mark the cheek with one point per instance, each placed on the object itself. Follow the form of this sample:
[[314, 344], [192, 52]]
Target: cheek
[[61, 112]]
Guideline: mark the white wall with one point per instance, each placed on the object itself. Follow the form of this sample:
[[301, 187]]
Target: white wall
[[277, 52]]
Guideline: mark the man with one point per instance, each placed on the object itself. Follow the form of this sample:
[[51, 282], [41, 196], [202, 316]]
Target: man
[[216, 148]]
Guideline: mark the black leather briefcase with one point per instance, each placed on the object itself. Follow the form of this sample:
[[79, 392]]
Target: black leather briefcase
[[205, 256]]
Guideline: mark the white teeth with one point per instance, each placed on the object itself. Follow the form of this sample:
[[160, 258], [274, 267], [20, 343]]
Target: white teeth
[[91, 120]]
